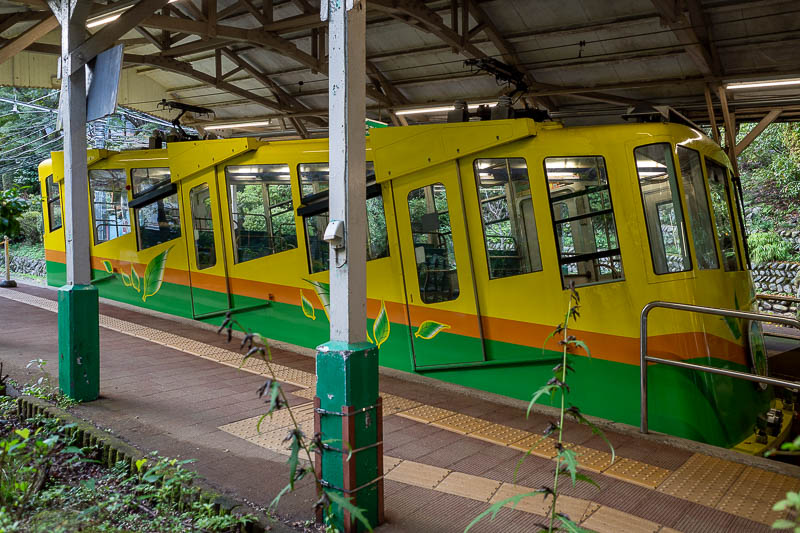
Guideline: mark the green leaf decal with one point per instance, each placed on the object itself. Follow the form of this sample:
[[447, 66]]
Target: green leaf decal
[[429, 329], [126, 279], [308, 309], [323, 291], [154, 274], [107, 265], [136, 281], [733, 325], [381, 327]]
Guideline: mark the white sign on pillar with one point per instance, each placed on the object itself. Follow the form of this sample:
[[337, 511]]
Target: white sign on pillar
[[347, 144]]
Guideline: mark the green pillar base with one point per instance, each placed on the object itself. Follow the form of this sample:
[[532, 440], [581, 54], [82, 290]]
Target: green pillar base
[[347, 376], [79, 342]]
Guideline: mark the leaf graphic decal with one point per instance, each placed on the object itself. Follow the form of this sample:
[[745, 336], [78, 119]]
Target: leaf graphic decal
[[136, 281], [733, 325], [308, 309], [107, 265], [429, 329], [323, 291], [381, 327], [154, 274], [126, 279]]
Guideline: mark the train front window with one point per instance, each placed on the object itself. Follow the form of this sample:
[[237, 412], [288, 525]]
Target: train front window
[[583, 219], [314, 184], [53, 203], [203, 226], [433, 244], [694, 191], [721, 203], [509, 229], [110, 215], [663, 215], [158, 221], [261, 210]]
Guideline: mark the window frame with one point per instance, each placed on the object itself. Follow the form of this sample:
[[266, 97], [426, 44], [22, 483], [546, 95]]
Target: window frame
[[675, 169], [554, 223], [705, 184], [728, 185], [151, 196], [207, 188], [476, 175], [293, 210], [48, 183], [124, 194]]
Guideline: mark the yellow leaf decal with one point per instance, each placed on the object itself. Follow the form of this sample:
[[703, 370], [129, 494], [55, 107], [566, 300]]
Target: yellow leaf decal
[[429, 329], [381, 327], [308, 309]]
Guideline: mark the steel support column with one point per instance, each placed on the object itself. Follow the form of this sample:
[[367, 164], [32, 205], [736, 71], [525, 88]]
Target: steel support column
[[347, 366], [78, 335]]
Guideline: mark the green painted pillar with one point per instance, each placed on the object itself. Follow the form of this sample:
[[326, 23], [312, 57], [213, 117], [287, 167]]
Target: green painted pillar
[[347, 381], [78, 342]]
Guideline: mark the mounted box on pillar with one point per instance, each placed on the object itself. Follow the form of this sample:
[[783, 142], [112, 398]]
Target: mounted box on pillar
[[348, 410]]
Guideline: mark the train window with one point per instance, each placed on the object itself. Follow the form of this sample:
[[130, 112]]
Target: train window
[[509, 229], [147, 179], [262, 215], [110, 215], [203, 226], [53, 203], [314, 177], [433, 244], [583, 219], [663, 215], [158, 221], [694, 191], [721, 203], [314, 184]]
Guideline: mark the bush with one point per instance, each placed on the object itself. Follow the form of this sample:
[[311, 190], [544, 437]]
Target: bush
[[769, 246], [31, 226]]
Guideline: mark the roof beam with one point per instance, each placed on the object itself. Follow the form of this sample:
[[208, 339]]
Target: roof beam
[[685, 32], [755, 132], [27, 38]]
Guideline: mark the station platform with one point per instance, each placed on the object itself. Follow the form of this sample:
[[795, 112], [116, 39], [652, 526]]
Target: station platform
[[170, 385]]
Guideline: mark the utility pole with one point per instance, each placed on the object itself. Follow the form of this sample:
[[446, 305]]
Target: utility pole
[[78, 315], [348, 408]]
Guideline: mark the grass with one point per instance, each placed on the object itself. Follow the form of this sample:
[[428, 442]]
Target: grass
[[21, 249]]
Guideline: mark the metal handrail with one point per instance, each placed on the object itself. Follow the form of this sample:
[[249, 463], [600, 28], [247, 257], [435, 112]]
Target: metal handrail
[[644, 358]]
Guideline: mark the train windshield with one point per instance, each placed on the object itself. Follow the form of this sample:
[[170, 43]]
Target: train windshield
[[663, 214], [694, 191], [721, 202], [583, 218]]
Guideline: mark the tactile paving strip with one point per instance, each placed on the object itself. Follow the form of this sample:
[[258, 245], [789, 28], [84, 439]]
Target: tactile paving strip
[[426, 414], [309, 393], [608, 520], [394, 404], [591, 459], [702, 479], [754, 492], [459, 423], [636, 472], [294, 376], [245, 429], [502, 435], [542, 446]]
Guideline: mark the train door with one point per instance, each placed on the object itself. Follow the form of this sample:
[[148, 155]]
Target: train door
[[437, 265], [206, 252]]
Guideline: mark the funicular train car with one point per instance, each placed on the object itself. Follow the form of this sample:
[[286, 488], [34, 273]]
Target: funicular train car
[[475, 230]]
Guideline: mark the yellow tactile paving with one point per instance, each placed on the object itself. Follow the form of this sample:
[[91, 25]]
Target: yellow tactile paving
[[637, 472], [275, 440], [389, 463], [702, 479], [426, 414], [542, 446], [308, 393], [459, 423], [502, 435], [591, 459], [468, 486], [295, 377], [418, 474], [754, 492], [608, 520], [244, 429], [394, 404]]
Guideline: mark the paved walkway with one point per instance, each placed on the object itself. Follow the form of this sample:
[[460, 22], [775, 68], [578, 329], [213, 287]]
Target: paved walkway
[[171, 386]]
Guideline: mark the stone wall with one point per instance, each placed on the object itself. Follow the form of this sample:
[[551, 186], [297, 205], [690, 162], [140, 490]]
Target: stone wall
[[779, 278], [24, 265]]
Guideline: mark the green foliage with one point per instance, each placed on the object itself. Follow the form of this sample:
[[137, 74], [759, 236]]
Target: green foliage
[[32, 251], [32, 226], [12, 205], [791, 502], [766, 246]]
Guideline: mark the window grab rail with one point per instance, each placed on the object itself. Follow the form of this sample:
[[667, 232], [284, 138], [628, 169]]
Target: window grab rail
[[644, 358]]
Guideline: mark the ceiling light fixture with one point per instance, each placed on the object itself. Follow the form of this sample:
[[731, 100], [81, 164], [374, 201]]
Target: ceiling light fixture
[[441, 109], [765, 83], [240, 125]]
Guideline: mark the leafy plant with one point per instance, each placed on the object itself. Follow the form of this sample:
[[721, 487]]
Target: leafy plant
[[791, 502], [769, 246], [12, 205], [274, 396], [566, 459]]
